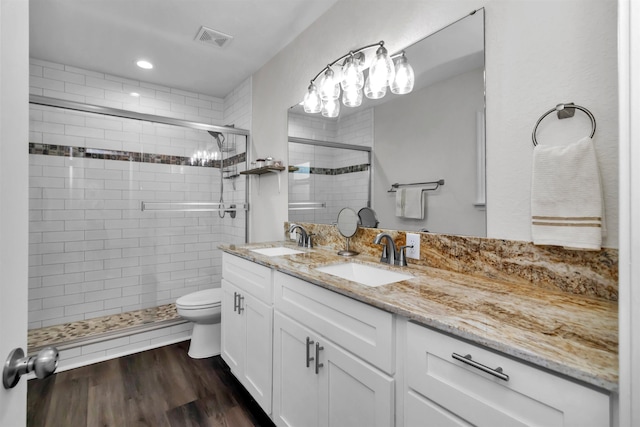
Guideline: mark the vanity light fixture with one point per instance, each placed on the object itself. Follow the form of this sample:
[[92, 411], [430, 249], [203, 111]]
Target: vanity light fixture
[[382, 71], [404, 78]]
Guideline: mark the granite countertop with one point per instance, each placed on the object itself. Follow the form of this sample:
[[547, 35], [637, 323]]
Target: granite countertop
[[568, 334]]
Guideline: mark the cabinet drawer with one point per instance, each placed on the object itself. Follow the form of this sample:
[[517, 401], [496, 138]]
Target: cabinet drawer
[[529, 397], [248, 276], [363, 330]]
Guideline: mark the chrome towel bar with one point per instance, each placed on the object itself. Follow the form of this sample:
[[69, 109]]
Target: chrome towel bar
[[394, 187], [192, 207]]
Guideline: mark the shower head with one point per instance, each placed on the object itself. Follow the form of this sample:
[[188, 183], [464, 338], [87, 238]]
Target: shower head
[[218, 136]]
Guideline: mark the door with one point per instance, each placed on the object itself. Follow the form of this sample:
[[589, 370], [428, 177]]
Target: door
[[258, 369], [352, 392], [14, 208], [295, 386]]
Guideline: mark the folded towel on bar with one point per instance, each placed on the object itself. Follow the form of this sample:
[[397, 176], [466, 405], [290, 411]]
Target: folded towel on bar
[[409, 203], [400, 196], [566, 196]]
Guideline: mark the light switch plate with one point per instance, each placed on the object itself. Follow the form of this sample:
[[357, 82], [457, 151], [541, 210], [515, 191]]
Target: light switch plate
[[413, 239]]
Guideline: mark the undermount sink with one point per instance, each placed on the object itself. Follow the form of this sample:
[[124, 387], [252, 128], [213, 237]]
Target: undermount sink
[[364, 274], [279, 251]]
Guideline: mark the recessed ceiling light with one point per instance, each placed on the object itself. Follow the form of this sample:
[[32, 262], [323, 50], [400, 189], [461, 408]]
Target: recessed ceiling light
[[144, 64], [136, 94]]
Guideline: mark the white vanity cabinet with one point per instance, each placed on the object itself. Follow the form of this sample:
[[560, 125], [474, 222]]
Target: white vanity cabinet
[[488, 389], [318, 381], [247, 325]]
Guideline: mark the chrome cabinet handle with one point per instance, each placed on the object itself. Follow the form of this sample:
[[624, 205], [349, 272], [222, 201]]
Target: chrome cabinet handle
[[235, 301], [318, 365], [497, 372], [240, 307], [309, 359]]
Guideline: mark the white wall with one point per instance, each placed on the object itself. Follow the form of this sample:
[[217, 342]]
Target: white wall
[[538, 54]]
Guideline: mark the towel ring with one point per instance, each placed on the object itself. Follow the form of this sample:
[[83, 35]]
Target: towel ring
[[564, 111]]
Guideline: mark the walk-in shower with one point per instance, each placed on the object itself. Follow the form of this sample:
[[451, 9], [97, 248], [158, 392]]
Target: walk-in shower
[[127, 211]]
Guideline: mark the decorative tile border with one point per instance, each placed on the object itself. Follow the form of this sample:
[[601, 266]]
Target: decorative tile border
[[69, 332], [127, 156], [330, 171]]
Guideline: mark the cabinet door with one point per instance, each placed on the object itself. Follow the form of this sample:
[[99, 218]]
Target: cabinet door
[[232, 330], [295, 386], [258, 319], [352, 392]]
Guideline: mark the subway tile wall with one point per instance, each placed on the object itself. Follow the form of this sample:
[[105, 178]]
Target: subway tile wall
[[337, 191], [93, 251]]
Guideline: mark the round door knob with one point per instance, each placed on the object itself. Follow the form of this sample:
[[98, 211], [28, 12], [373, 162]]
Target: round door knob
[[44, 364]]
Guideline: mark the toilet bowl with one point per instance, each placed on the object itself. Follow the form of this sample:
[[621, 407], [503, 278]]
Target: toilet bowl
[[203, 309]]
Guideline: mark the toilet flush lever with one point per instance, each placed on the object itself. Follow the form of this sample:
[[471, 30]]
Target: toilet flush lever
[[44, 364]]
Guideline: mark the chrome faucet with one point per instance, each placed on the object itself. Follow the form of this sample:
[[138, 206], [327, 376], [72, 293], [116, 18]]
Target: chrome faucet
[[304, 237], [391, 255], [389, 252]]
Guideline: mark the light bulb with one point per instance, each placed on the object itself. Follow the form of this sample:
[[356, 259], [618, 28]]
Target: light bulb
[[352, 97], [329, 88], [404, 78], [330, 108], [351, 75], [381, 71], [144, 64], [312, 101], [373, 89]]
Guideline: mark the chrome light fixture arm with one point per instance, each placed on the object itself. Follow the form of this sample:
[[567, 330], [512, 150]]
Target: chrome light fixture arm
[[343, 57]]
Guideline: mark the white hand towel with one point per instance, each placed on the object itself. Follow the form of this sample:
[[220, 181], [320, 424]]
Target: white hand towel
[[400, 197], [413, 203], [409, 203], [566, 196]]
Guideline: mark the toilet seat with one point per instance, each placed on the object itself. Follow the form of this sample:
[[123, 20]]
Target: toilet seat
[[202, 299]]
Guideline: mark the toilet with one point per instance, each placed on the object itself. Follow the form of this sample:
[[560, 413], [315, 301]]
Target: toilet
[[203, 309]]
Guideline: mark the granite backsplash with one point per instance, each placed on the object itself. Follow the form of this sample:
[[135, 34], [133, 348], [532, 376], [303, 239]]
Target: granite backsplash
[[588, 273]]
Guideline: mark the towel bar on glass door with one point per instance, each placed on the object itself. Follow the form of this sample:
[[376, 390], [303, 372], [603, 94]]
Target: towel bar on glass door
[[394, 187], [565, 111], [192, 206], [304, 206]]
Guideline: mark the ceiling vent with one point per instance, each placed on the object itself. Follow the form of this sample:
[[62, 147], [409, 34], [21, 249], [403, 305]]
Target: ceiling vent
[[213, 37]]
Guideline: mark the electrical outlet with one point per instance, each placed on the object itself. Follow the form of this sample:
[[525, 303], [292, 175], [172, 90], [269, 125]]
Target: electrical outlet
[[413, 239]]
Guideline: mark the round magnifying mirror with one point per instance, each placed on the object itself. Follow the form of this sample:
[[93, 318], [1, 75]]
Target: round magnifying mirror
[[347, 226]]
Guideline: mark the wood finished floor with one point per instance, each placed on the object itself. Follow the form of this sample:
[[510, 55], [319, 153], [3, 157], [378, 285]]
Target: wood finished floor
[[157, 388]]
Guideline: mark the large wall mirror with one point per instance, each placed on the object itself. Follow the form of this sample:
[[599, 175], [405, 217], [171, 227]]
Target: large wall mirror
[[390, 153]]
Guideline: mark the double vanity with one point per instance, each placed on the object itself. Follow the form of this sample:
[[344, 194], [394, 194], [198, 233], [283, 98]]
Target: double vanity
[[319, 339]]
